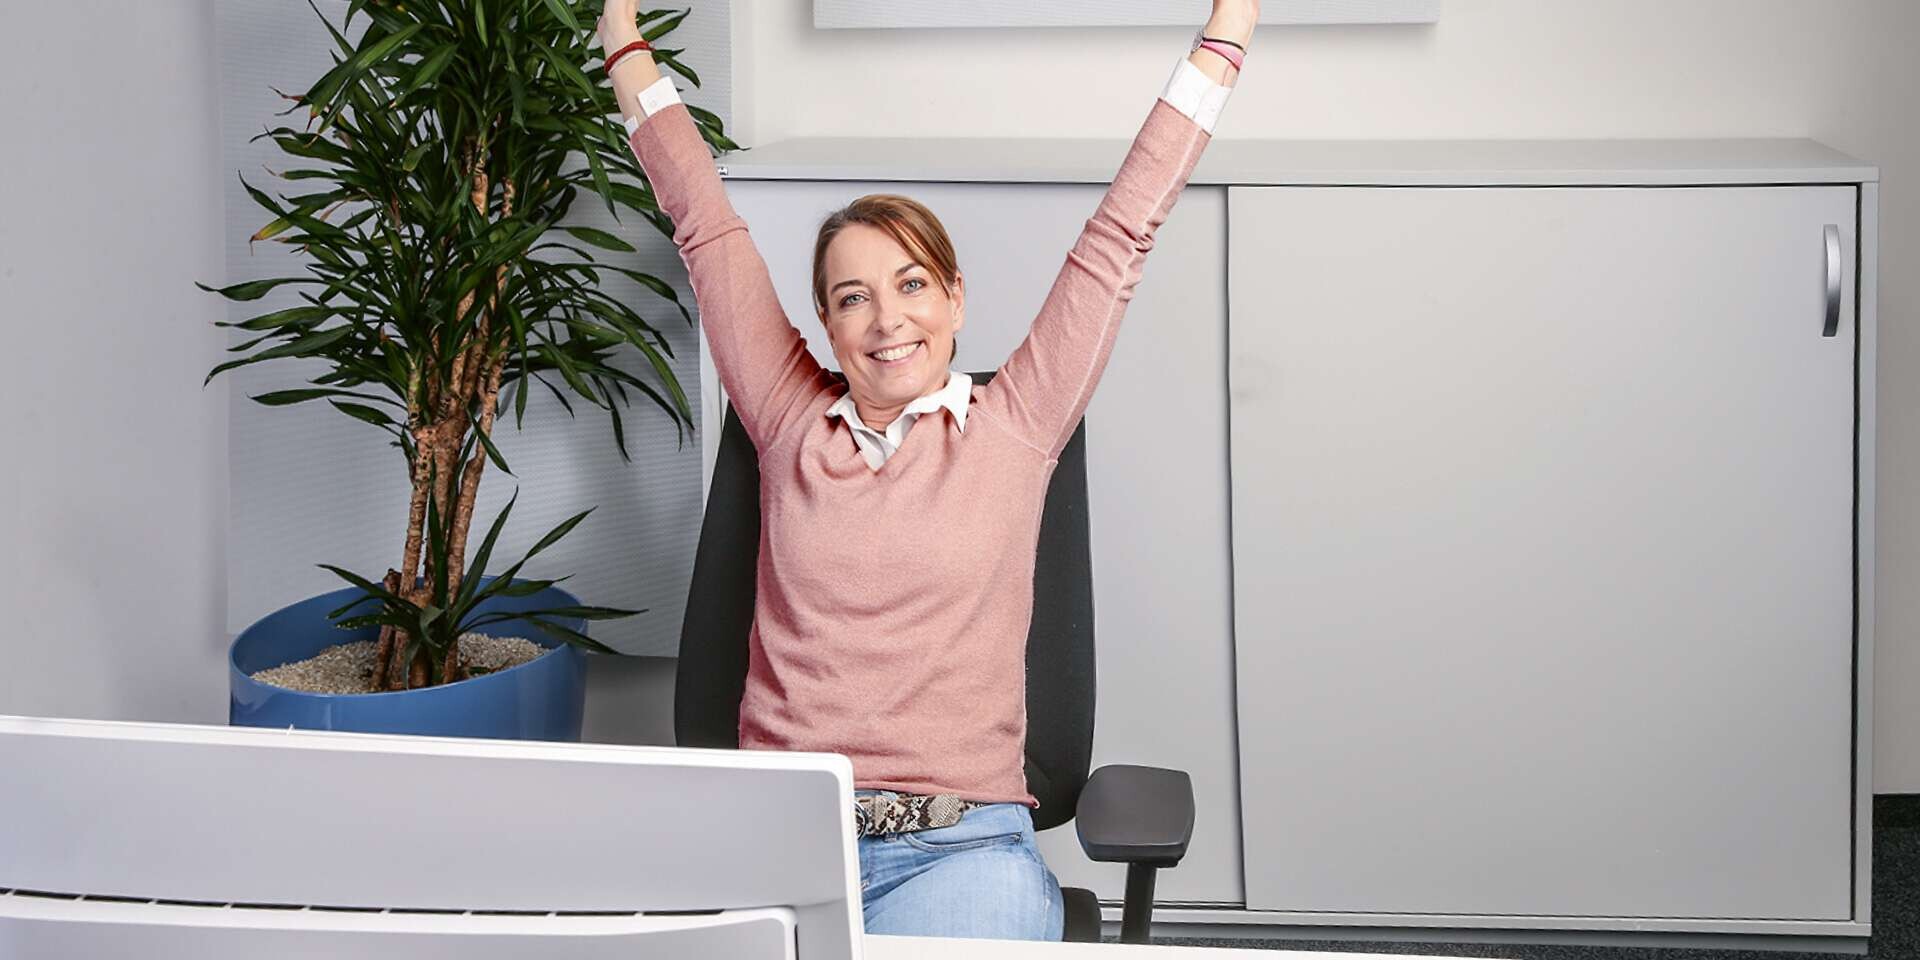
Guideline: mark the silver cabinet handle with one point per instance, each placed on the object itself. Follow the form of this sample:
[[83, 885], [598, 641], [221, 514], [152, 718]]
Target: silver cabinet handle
[[1833, 281]]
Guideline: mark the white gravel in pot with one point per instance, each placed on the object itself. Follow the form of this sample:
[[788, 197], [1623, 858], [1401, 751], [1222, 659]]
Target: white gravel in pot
[[348, 667]]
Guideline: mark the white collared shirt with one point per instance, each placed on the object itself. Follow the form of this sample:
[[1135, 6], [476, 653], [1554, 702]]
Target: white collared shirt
[[876, 445]]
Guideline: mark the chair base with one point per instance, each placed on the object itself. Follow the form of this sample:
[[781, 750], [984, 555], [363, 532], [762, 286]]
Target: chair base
[[1083, 915]]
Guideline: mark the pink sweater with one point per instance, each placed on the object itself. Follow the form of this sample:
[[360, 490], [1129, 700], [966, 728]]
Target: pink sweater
[[891, 623]]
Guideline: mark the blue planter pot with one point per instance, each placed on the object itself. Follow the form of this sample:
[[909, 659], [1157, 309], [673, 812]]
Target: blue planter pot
[[539, 700]]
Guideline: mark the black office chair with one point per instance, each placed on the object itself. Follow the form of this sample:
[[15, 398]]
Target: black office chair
[[1139, 816]]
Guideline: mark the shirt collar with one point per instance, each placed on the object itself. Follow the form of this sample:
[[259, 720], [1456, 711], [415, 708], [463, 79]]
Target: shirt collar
[[955, 396]]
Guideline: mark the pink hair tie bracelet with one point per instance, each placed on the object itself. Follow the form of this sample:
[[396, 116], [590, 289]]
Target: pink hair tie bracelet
[[1224, 48]]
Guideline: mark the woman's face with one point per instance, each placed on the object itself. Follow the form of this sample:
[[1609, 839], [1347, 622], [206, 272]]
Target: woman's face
[[889, 320]]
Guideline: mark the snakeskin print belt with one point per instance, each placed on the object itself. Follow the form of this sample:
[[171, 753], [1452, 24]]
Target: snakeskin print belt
[[907, 812]]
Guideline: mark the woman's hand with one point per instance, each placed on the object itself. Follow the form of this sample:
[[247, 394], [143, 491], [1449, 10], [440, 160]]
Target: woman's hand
[[1232, 20], [619, 24]]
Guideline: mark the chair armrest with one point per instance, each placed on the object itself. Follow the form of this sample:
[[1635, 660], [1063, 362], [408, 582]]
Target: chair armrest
[[1136, 815]]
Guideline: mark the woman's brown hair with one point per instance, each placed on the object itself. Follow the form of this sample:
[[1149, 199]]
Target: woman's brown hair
[[909, 223]]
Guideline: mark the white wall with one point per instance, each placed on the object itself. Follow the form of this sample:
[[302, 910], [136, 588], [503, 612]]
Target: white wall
[[113, 460], [1841, 72]]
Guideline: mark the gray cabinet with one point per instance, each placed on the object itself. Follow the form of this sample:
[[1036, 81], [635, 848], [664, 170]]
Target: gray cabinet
[[1486, 526], [1543, 557]]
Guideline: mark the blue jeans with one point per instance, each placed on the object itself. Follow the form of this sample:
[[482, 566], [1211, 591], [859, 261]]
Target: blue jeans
[[982, 877]]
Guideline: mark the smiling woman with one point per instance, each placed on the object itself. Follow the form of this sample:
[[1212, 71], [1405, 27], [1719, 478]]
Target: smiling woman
[[900, 509], [888, 290]]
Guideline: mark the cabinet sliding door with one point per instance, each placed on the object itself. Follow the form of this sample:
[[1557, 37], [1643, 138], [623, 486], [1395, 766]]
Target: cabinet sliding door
[[1543, 549]]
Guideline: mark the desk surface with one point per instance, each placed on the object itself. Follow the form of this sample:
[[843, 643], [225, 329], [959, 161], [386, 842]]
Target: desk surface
[[935, 948]]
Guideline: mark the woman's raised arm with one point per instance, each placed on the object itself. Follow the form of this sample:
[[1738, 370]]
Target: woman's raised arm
[[1042, 390], [763, 361]]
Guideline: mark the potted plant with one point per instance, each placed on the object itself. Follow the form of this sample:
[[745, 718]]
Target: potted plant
[[442, 150]]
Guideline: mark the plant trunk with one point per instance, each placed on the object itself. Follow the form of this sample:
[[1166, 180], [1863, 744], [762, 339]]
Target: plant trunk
[[483, 386], [384, 651], [439, 416], [470, 483], [460, 388], [392, 669], [416, 510], [452, 669], [419, 673]]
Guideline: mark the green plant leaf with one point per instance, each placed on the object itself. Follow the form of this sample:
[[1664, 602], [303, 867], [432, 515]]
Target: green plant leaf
[[431, 67], [301, 317], [373, 620], [590, 613], [673, 63], [665, 27], [252, 289], [600, 238], [369, 586], [367, 57], [493, 452], [412, 159], [363, 412], [569, 634], [281, 398], [658, 286], [470, 584], [304, 346], [619, 429], [601, 185], [567, 71], [569, 371], [274, 229], [553, 536], [352, 605], [527, 588], [561, 10]]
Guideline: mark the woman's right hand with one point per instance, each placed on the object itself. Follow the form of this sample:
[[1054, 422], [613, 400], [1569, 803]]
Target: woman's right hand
[[619, 24]]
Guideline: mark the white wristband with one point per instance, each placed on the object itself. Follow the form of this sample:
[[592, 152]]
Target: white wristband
[[658, 96], [1195, 94]]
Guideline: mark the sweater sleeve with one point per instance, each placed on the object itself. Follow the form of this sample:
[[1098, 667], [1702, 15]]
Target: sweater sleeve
[[1042, 390], [763, 361]]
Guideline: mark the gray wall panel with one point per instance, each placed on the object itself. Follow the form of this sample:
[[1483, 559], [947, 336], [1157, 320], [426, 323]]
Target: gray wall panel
[[113, 475]]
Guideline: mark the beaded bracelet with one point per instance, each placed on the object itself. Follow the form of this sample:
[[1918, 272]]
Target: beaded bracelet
[[614, 57]]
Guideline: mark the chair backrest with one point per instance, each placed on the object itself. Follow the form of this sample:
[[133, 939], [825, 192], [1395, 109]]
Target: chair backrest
[[712, 672]]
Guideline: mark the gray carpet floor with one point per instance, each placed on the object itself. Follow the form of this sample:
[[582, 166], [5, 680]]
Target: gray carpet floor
[[1896, 914]]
